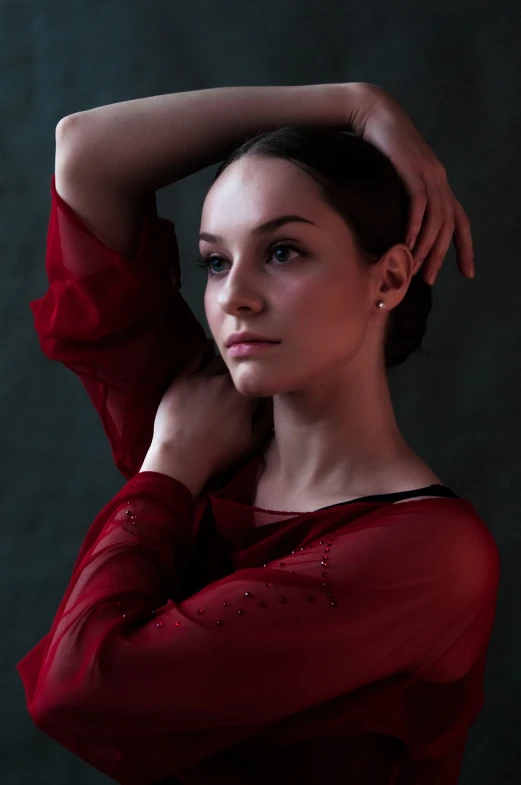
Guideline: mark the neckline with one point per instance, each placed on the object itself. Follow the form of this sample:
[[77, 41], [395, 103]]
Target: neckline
[[436, 489], [439, 490]]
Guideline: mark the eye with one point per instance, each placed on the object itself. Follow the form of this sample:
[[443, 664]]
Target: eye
[[206, 261]]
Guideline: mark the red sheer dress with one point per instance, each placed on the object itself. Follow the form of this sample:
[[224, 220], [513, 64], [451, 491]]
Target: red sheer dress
[[209, 642]]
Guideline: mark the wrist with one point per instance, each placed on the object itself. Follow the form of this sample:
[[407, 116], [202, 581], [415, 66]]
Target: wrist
[[359, 100], [162, 459]]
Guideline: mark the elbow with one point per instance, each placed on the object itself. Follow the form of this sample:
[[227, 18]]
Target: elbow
[[53, 713], [70, 137], [68, 127], [43, 711]]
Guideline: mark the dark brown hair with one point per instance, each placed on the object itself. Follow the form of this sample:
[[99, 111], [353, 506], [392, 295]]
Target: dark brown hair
[[364, 188]]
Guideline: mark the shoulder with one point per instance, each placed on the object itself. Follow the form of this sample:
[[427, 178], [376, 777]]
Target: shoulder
[[443, 540], [465, 541]]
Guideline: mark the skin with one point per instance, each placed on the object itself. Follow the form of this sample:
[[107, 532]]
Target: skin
[[335, 426]]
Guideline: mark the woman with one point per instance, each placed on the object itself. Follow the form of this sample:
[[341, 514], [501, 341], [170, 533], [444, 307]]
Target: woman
[[283, 591]]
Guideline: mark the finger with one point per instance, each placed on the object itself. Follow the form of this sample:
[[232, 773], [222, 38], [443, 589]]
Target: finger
[[416, 189], [439, 250], [463, 241], [433, 221]]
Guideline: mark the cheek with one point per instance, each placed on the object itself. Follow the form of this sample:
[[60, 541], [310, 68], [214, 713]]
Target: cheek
[[330, 319], [214, 315], [322, 321]]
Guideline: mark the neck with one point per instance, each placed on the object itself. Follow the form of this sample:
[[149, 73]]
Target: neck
[[337, 437]]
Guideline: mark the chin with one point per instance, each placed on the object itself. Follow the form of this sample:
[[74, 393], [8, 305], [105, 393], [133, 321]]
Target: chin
[[255, 385]]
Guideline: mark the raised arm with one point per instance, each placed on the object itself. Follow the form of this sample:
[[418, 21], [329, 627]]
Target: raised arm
[[111, 159], [148, 143], [135, 147]]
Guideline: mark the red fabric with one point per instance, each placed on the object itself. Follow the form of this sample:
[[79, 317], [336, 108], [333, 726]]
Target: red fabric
[[120, 324], [342, 645]]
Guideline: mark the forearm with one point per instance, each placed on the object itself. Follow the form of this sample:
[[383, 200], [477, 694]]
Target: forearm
[[148, 143]]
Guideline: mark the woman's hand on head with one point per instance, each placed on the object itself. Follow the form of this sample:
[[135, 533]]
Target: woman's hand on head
[[436, 216], [204, 421]]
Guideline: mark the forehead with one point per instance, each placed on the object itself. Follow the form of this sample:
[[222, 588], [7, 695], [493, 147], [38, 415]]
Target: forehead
[[257, 181], [257, 188]]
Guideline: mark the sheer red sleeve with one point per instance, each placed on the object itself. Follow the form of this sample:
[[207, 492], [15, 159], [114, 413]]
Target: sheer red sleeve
[[140, 686], [121, 325]]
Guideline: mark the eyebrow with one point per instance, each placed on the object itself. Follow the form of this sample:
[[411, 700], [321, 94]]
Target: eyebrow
[[261, 228]]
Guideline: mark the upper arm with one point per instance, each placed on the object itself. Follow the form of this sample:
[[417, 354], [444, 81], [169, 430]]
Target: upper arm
[[113, 312], [112, 213]]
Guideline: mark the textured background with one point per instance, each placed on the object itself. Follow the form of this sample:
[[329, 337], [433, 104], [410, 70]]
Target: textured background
[[453, 67]]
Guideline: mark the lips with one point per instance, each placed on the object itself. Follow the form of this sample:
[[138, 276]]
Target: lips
[[248, 336], [249, 348]]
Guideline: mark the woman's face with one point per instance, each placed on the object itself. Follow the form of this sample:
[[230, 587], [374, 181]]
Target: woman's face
[[316, 298]]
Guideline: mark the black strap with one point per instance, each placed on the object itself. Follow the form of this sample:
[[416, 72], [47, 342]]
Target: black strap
[[429, 490]]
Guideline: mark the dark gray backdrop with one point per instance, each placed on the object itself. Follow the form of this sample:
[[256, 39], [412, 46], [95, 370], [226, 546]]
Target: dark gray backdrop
[[456, 68]]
